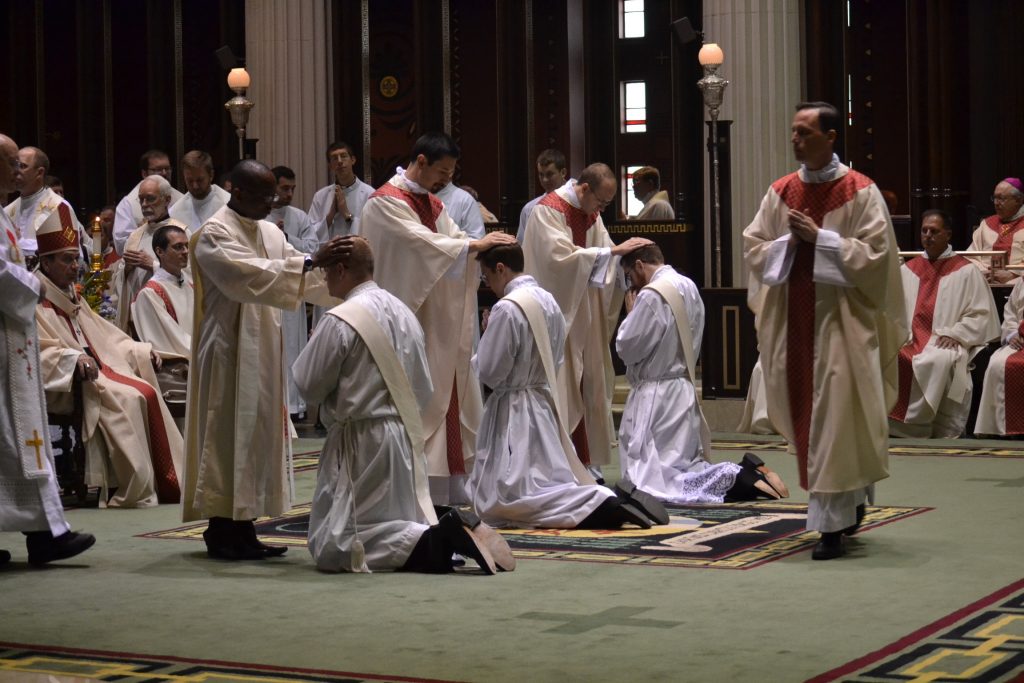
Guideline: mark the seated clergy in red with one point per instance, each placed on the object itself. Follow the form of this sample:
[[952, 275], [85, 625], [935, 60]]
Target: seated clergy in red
[[130, 439], [1002, 231], [1002, 398], [952, 315]]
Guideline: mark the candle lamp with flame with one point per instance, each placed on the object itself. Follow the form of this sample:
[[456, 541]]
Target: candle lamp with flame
[[94, 289]]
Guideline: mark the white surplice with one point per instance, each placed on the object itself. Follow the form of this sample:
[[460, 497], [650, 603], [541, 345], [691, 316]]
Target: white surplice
[[238, 454], [524, 217], [431, 273], [755, 408], [29, 498], [166, 324], [194, 212], [128, 215], [365, 482], [938, 396], [462, 209], [588, 286], [28, 213], [660, 446], [522, 475], [301, 234], [131, 441], [356, 195], [994, 400], [129, 281]]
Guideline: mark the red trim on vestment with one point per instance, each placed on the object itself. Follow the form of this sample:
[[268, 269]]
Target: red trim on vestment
[[453, 434], [166, 480], [929, 273], [816, 200], [578, 221], [427, 206], [162, 293], [1005, 232]]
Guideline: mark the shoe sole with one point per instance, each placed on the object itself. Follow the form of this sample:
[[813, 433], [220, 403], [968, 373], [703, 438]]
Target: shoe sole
[[497, 546], [647, 504]]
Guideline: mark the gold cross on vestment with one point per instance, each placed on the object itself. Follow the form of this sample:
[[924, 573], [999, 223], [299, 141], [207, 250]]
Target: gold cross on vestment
[[37, 442]]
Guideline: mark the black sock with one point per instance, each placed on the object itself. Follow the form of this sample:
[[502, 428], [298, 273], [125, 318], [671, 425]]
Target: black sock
[[606, 516], [430, 555]]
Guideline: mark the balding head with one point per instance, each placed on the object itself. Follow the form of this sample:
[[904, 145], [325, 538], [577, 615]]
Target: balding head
[[253, 189], [351, 271], [596, 188], [10, 169], [34, 167]]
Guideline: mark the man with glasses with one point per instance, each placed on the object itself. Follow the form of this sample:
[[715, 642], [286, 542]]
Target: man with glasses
[[569, 253], [238, 450], [1003, 231], [139, 260], [128, 215]]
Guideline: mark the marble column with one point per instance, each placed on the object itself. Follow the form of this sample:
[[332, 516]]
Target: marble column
[[287, 48], [762, 44]]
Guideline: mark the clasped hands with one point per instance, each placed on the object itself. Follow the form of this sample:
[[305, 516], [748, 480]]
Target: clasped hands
[[137, 259], [803, 227], [88, 370]]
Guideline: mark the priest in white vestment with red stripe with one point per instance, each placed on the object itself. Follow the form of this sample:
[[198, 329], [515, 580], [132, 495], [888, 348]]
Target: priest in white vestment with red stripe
[[162, 311], [569, 253], [1002, 231], [952, 316], [1001, 411], [423, 258], [826, 290], [131, 442]]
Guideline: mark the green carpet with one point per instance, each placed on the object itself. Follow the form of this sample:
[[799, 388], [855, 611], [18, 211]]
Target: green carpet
[[787, 620], [734, 536]]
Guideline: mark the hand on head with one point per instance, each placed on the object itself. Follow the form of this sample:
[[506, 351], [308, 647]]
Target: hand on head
[[335, 250]]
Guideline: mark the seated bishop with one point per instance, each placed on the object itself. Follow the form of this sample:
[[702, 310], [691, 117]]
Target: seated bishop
[[952, 316], [664, 440], [1002, 231], [162, 311], [527, 472], [131, 442], [366, 365], [1001, 412]]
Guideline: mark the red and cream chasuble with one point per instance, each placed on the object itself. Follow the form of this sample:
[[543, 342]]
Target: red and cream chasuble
[[579, 223], [816, 200], [1005, 232], [167, 487], [930, 273], [162, 293], [428, 207]]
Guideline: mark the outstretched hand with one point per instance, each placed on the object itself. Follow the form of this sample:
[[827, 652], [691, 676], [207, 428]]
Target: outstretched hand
[[632, 244], [333, 251], [491, 239]]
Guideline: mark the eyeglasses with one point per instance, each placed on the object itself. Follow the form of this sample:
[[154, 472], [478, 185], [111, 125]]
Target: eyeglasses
[[1002, 199], [149, 198]]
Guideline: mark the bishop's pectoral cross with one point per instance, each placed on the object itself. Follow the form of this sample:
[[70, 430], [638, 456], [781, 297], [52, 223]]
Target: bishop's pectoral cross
[[37, 442]]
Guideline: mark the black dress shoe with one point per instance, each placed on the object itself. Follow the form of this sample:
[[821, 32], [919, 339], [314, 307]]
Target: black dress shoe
[[851, 530], [829, 547], [629, 513], [650, 506], [464, 541], [224, 541], [5, 557], [246, 532], [43, 547]]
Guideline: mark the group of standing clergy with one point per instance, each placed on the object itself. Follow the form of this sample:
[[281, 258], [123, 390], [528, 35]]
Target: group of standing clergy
[[393, 367]]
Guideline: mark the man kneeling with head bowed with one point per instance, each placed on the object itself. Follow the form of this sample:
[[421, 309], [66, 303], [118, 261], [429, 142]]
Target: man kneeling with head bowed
[[664, 441], [527, 472], [366, 365]]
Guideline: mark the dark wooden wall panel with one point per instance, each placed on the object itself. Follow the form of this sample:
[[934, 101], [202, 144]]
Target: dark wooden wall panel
[[475, 104], [393, 120]]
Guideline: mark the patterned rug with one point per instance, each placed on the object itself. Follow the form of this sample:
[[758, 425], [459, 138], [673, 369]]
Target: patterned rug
[[983, 642], [134, 668], [733, 536], [968, 449]]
